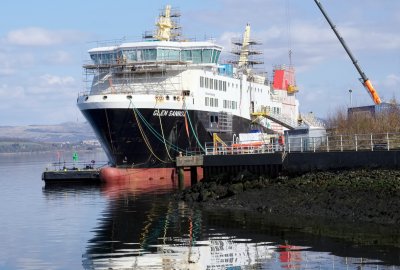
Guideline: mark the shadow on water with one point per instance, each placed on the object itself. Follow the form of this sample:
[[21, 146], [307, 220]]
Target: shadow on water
[[149, 229], [56, 190]]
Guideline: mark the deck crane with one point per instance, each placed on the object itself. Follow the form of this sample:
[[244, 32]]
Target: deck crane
[[364, 79]]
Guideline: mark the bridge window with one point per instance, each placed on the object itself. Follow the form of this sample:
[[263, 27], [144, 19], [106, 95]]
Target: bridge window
[[149, 54], [130, 55], [215, 56], [186, 55], [196, 56], [167, 54], [207, 56], [200, 55]]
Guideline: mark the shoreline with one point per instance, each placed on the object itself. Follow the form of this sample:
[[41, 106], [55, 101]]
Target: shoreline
[[52, 151], [366, 196]]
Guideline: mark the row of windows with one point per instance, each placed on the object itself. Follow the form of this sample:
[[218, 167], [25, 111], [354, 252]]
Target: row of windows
[[229, 104], [254, 88], [156, 54], [211, 102], [274, 109], [212, 83]]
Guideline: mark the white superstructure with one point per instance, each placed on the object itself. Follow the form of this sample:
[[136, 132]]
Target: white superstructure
[[165, 83]]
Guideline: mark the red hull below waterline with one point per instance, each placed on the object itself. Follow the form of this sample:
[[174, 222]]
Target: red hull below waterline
[[143, 179], [111, 174]]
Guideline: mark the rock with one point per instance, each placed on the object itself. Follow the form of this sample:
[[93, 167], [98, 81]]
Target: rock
[[364, 195], [195, 196], [204, 196], [235, 189]]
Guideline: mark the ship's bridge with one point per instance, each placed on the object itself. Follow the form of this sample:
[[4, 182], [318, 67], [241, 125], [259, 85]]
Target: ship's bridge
[[156, 51]]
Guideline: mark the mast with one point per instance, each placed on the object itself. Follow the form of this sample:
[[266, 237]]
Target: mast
[[364, 79], [244, 48], [167, 26], [164, 25], [244, 53]]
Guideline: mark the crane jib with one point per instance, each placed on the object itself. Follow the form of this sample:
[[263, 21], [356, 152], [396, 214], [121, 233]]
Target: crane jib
[[366, 82]]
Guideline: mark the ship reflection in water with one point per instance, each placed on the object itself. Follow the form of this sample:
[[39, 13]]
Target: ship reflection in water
[[148, 229]]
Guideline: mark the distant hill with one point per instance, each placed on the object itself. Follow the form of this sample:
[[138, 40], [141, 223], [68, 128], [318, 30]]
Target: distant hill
[[72, 132]]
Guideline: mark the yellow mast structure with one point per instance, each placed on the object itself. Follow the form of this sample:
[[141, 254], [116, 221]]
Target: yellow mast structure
[[164, 25], [244, 50], [244, 53]]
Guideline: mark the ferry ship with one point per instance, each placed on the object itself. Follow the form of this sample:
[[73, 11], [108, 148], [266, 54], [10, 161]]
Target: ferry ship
[[150, 100]]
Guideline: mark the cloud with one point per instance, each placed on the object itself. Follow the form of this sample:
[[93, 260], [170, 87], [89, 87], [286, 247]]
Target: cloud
[[49, 86], [392, 81], [11, 62], [36, 36], [47, 98], [10, 92], [6, 70], [60, 57], [52, 80]]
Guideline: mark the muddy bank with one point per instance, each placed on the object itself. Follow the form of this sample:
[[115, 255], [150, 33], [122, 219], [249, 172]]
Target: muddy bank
[[354, 196]]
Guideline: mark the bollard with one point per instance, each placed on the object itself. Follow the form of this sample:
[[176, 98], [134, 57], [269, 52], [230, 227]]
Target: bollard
[[181, 178]]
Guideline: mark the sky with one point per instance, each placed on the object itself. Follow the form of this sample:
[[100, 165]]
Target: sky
[[43, 45]]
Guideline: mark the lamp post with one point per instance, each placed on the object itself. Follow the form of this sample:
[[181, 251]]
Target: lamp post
[[350, 91]]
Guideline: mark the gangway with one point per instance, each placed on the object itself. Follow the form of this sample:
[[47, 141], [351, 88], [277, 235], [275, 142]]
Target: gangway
[[310, 120], [282, 120]]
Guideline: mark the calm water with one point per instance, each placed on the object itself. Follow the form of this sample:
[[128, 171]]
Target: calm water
[[124, 227]]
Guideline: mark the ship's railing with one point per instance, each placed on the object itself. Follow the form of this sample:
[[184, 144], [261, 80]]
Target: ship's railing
[[144, 65], [78, 165], [329, 143], [340, 143], [236, 148], [136, 85], [193, 151]]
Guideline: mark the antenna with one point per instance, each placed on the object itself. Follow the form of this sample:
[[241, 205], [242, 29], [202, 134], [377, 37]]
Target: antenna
[[288, 30]]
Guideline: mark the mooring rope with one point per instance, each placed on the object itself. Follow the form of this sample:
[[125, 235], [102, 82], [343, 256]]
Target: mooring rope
[[146, 139], [162, 132], [191, 127], [155, 133]]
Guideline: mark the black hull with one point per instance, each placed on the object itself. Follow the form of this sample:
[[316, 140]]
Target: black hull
[[136, 139]]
